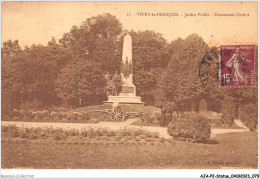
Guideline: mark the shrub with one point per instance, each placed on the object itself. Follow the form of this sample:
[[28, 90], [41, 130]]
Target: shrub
[[248, 115], [63, 115], [170, 107], [72, 116], [16, 118], [9, 128], [84, 133], [14, 132], [58, 133], [110, 133], [58, 136], [75, 116], [190, 127], [5, 129], [24, 133], [84, 116], [55, 119], [59, 109], [39, 115], [17, 113], [73, 132], [34, 136], [28, 105], [151, 117], [228, 111], [6, 118], [203, 106], [151, 134], [69, 116], [54, 114], [159, 104]]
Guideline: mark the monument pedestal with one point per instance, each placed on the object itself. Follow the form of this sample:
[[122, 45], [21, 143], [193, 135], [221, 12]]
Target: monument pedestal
[[127, 96], [124, 99], [129, 90]]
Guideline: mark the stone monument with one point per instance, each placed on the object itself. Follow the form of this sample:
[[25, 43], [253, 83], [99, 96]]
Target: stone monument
[[128, 92]]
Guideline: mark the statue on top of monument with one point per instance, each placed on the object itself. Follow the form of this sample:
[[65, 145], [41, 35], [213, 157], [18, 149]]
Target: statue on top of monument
[[116, 83], [126, 68]]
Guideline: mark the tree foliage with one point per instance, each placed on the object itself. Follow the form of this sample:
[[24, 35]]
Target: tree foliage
[[30, 74], [96, 39], [248, 115], [149, 60], [229, 111], [10, 86], [81, 80], [182, 85]]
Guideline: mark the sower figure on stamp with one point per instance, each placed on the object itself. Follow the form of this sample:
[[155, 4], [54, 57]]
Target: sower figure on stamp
[[116, 81], [238, 63]]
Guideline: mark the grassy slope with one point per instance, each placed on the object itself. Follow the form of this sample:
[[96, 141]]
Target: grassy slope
[[234, 150]]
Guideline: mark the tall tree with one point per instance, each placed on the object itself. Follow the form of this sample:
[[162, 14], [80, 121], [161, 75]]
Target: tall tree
[[96, 39], [29, 74], [81, 83], [182, 82], [10, 84], [40, 69]]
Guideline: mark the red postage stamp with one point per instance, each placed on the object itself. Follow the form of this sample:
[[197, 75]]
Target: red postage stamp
[[237, 65]]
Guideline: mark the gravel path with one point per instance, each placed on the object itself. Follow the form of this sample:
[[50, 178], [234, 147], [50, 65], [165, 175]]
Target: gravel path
[[240, 124], [114, 126], [214, 132]]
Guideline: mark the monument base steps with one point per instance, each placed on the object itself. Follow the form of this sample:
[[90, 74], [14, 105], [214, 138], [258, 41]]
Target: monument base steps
[[127, 99]]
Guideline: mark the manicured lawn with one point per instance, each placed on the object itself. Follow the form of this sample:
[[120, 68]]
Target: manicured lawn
[[226, 150]]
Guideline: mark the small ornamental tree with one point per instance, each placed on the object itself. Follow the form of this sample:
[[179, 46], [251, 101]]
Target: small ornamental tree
[[248, 115], [190, 127], [228, 111], [203, 106]]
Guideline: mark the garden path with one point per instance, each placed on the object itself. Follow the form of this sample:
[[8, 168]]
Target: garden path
[[114, 126], [240, 124]]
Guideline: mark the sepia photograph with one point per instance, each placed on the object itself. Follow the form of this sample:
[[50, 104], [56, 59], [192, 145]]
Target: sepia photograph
[[129, 85]]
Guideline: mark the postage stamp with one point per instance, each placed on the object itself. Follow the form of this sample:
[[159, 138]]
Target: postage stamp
[[237, 66]]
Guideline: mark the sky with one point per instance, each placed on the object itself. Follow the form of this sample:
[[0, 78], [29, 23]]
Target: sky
[[36, 22]]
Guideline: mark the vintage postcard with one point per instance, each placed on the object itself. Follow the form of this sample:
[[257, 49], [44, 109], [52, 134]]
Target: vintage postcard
[[129, 85]]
